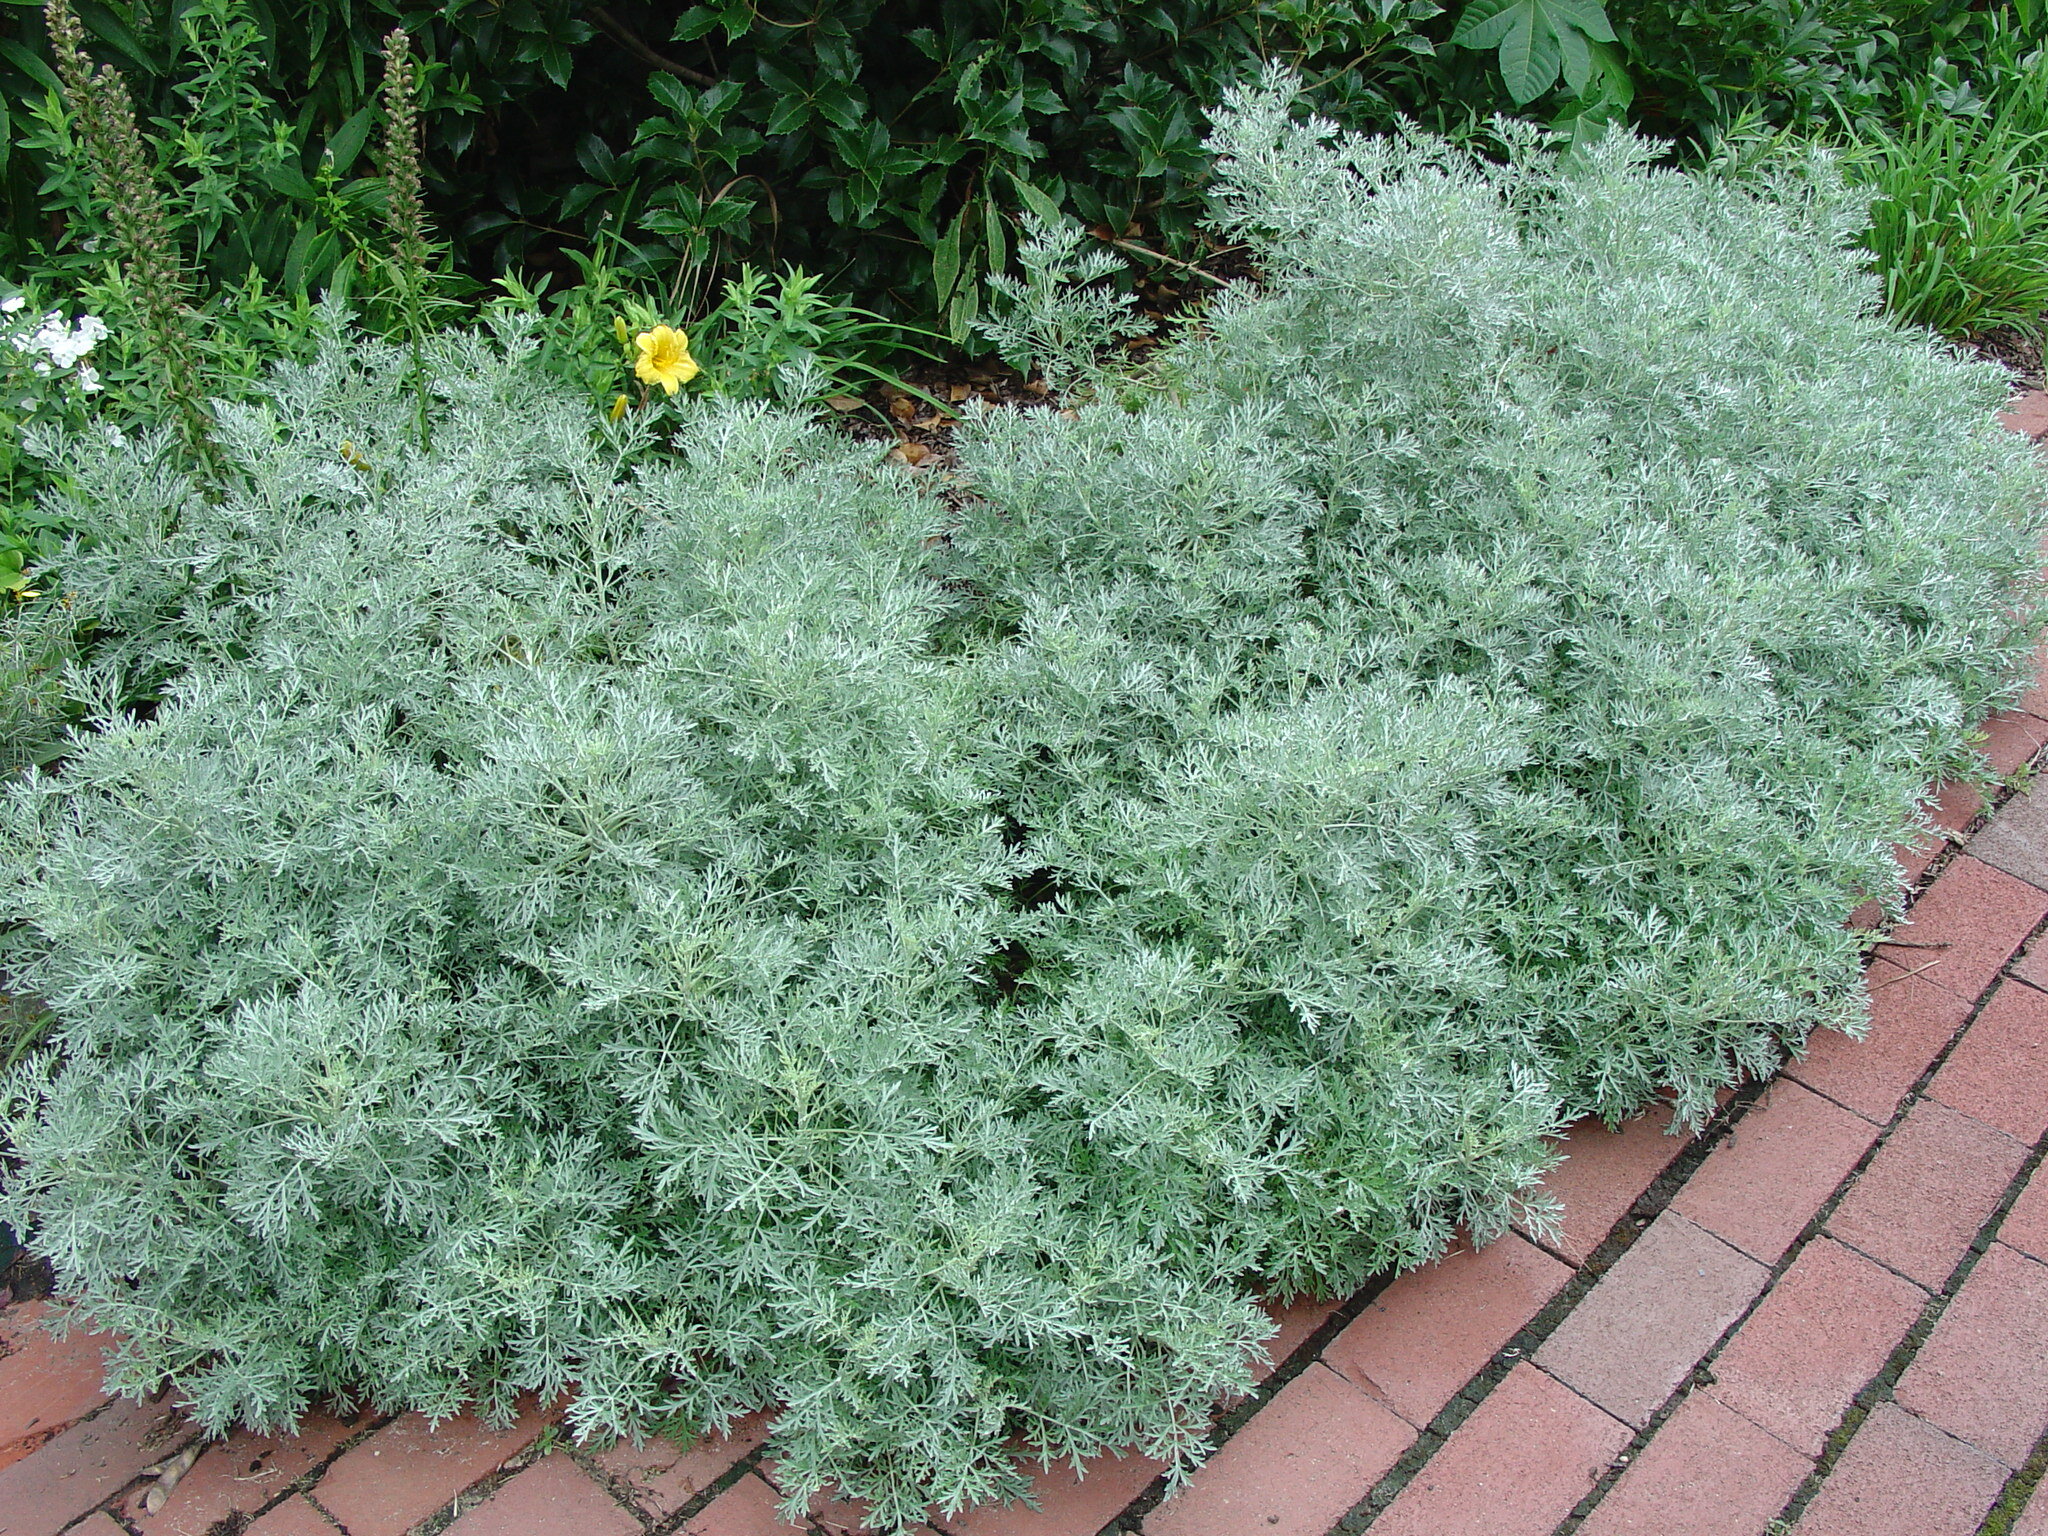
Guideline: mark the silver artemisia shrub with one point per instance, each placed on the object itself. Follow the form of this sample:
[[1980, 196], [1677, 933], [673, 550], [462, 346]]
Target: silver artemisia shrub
[[719, 928]]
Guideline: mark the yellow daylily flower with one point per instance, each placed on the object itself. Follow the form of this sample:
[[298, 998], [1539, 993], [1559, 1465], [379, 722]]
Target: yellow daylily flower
[[664, 358]]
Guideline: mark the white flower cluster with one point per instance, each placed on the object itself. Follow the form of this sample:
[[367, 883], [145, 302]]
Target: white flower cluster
[[57, 344]]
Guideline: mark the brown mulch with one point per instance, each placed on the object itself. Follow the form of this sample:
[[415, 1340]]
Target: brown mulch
[[25, 1277], [918, 424], [2020, 354]]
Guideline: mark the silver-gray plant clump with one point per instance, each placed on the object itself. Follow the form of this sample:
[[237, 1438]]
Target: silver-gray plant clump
[[676, 926]]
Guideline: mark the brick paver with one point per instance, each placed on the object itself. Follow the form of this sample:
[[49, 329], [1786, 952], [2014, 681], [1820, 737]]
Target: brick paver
[[1707, 1472], [86, 1464], [1314, 1451], [2032, 965], [1999, 1069], [294, 1517], [1934, 1182], [2026, 1225], [1429, 1332], [409, 1469], [1983, 1374], [1954, 805], [1070, 1502], [2017, 841], [1604, 1172], [1826, 1328], [554, 1494], [1914, 857], [1911, 1021], [46, 1383], [1966, 925], [238, 1476], [1527, 1455], [2012, 738], [1638, 1334], [2027, 415], [747, 1508], [1297, 1319], [660, 1476], [1903, 1477], [1774, 1170]]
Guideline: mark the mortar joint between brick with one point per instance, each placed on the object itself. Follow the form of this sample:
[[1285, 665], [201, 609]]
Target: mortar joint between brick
[[701, 1500], [1644, 1210], [1878, 1389], [327, 1514], [2012, 1499], [1231, 1421], [1814, 1228], [613, 1488], [1879, 1386]]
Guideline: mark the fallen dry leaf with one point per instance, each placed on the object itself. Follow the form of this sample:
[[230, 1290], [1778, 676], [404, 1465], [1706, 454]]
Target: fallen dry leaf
[[844, 402], [903, 408], [912, 454], [167, 1474]]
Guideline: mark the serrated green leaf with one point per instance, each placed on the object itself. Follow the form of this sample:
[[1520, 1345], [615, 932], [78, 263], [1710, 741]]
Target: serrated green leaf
[[698, 21], [1485, 23], [789, 114], [671, 93], [778, 79], [1587, 16], [1530, 55], [1037, 201], [1616, 89], [1576, 57]]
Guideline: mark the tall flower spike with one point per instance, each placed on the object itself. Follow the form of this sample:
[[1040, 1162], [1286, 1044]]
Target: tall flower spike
[[405, 214], [124, 183], [405, 208]]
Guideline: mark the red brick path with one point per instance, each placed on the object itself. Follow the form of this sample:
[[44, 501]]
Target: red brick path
[[1825, 1315]]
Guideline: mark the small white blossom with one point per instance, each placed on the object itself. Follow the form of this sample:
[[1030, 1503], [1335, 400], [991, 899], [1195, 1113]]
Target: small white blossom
[[12, 304], [62, 343], [88, 378]]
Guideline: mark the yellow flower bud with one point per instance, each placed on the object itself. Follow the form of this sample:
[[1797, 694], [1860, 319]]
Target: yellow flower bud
[[619, 329], [618, 407]]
